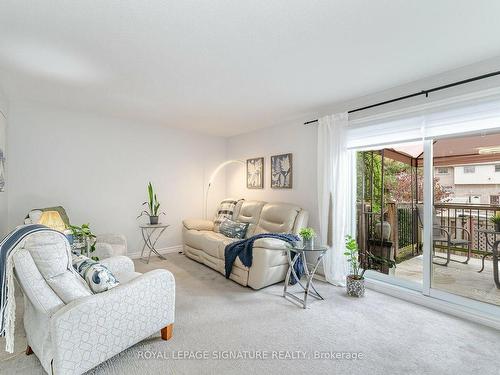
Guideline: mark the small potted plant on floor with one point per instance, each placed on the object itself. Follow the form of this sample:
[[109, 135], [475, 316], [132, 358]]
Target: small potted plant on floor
[[355, 281], [496, 221], [307, 235], [153, 206]]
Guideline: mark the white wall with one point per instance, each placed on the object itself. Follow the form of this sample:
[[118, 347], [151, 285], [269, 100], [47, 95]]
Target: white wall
[[483, 174], [98, 169], [297, 139], [3, 144], [293, 136]]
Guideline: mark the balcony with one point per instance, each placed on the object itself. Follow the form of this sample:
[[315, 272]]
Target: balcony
[[390, 194]]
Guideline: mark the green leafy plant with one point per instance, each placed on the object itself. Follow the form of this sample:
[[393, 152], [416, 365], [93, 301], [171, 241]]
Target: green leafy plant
[[495, 219], [352, 254], [307, 233], [84, 234], [153, 204]]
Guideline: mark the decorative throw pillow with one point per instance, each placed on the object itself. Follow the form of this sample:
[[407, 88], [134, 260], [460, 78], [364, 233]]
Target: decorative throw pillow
[[233, 229], [97, 276], [225, 211]]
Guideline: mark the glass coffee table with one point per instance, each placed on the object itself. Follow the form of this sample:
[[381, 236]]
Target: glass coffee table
[[294, 253]]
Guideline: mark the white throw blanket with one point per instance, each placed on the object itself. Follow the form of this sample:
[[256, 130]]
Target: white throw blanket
[[8, 247]]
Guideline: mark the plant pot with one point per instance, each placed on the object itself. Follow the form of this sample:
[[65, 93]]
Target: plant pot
[[355, 287], [385, 230], [153, 220], [308, 243], [497, 227]]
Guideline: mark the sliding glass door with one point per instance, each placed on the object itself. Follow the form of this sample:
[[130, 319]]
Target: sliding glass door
[[427, 199], [389, 192], [453, 254], [466, 192]]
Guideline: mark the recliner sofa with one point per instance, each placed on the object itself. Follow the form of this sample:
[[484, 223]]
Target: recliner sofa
[[269, 264]]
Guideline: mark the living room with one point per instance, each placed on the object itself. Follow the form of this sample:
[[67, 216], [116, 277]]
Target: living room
[[249, 187]]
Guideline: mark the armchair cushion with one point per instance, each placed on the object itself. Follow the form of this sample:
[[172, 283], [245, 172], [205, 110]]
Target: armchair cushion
[[42, 297], [98, 277], [51, 255], [198, 224]]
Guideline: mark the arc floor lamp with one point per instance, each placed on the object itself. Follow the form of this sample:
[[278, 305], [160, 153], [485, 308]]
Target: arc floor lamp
[[212, 177]]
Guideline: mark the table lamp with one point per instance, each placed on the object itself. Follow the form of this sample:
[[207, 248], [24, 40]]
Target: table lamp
[[53, 220]]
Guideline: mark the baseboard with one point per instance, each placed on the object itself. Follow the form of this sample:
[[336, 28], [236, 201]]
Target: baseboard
[[434, 303], [164, 250]]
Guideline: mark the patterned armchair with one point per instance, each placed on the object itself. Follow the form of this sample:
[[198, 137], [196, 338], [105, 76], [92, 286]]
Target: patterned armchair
[[70, 329]]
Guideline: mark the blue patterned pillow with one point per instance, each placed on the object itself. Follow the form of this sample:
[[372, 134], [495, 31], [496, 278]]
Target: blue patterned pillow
[[97, 276], [233, 229]]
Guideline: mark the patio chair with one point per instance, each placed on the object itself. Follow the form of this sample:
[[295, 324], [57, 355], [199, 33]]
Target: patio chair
[[441, 234]]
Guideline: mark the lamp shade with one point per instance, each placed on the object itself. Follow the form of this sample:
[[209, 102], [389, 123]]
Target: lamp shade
[[53, 220]]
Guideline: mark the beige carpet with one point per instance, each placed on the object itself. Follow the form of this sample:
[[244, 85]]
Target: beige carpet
[[214, 314]]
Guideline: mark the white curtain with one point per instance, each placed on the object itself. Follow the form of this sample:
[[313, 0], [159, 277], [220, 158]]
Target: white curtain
[[335, 203], [462, 114]]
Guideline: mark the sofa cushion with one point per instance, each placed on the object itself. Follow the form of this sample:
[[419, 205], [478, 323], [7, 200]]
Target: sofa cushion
[[250, 213], [233, 229], [277, 218], [208, 241], [198, 224], [225, 211]]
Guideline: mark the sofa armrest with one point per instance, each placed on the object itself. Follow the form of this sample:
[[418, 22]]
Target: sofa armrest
[[271, 244], [92, 329], [198, 224], [119, 264]]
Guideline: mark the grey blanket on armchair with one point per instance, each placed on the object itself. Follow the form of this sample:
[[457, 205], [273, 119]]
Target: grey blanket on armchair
[[7, 302], [243, 249]]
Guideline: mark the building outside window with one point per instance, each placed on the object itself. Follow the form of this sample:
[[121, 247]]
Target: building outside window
[[470, 169], [442, 170]]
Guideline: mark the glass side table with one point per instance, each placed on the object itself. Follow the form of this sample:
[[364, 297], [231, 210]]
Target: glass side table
[[151, 233], [300, 253]]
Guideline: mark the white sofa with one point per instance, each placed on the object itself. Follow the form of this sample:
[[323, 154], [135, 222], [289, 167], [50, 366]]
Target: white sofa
[[72, 330], [269, 264]]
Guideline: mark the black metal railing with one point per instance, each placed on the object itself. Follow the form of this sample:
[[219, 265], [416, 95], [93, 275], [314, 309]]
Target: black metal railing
[[472, 217], [405, 225]]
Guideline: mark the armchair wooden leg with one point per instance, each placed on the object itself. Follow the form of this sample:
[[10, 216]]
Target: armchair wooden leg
[[167, 332], [29, 351]]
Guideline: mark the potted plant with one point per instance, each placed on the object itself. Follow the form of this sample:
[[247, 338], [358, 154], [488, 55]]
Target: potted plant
[[153, 206], [307, 235], [355, 281], [83, 238], [496, 221]]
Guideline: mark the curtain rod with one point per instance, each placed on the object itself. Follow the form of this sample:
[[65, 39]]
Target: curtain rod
[[423, 92]]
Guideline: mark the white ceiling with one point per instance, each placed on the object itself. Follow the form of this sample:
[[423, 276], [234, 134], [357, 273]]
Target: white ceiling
[[227, 67]]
